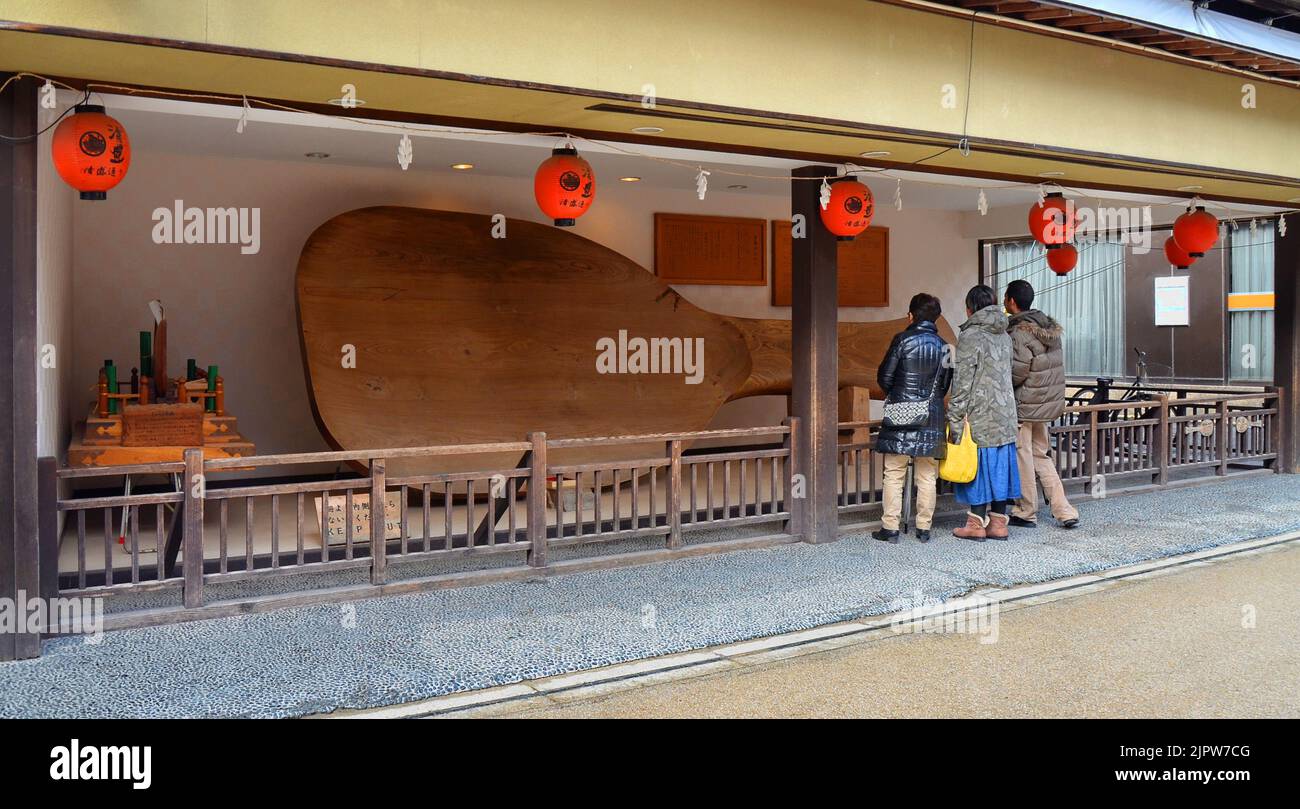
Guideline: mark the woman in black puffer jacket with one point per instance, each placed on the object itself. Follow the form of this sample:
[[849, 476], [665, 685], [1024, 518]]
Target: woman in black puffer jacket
[[914, 376]]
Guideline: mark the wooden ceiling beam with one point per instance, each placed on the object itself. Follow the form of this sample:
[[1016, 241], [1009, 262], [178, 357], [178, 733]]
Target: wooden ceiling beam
[[1212, 51], [1109, 25], [1016, 8], [1077, 21], [1047, 14], [1157, 39], [1135, 31]]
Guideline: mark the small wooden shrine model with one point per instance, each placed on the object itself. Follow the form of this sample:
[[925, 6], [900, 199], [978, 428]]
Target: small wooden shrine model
[[152, 417]]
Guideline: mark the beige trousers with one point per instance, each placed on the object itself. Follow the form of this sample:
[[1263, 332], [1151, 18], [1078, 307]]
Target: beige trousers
[[927, 477], [1031, 457]]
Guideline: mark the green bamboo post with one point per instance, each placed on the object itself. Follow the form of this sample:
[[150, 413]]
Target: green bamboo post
[[211, 401], [146, 354], [110, 375], [191, 370]]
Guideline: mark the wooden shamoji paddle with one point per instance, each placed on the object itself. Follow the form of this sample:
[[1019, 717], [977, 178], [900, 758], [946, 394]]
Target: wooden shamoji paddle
[[460, 337]]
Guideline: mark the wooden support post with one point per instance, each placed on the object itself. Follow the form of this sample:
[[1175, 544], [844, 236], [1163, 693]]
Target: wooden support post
[[674, 494], [1286, 344], [1272, 440], [47, 495], [194, 487], [815, 352], [19, 544], [1221, 436], [537, 501], [794, 524], [1092, 451], [379, 521], [1162, 443]]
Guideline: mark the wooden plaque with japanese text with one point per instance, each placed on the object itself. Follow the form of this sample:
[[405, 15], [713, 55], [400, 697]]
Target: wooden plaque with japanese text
[[162, 425], [725, 250]]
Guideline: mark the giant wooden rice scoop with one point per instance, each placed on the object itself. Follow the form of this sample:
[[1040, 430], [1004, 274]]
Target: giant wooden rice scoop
[[463, 338]]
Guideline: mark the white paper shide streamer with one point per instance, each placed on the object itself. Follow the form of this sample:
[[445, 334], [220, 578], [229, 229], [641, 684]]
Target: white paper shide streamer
[[405, 152]]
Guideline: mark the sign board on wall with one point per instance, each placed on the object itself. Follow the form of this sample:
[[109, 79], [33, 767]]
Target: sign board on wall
[[336, 520], [1172, 299]]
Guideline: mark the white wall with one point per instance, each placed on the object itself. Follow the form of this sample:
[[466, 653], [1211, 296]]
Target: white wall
[[54, 301], [237, 311]]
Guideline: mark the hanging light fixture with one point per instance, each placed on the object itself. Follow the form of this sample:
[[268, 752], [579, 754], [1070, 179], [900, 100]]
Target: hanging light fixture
[[91, 151], [1052, 221], [564, 186], [849, 210], [1178, 257], [1062, 258], [1196, 231]]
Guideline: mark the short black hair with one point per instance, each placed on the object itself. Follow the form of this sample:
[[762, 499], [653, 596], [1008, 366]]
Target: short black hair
[[924, 306], [1022, 293], [979, 297]]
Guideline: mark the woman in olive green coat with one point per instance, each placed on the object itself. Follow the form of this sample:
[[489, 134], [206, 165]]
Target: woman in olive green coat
[[983, 396]]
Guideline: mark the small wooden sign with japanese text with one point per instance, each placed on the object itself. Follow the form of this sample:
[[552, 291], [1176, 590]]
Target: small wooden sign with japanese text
[[336, 518]]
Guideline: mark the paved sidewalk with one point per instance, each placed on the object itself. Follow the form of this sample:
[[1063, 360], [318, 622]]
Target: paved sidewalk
[[400, 649], [1174, 645]]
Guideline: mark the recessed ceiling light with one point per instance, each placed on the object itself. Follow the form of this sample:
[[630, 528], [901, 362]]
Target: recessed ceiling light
[[356, 102], [629, 179], [737, 187], [1051, 174], [1190, 187], [648, 130], [462, 166], [317, 155], [875, 154]]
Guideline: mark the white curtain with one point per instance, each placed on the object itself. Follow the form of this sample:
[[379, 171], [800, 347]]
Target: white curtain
[[1088, 302], [1250, 269]]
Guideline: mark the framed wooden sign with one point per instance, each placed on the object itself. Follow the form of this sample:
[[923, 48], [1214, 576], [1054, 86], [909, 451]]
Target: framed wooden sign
[[336, 521], [724, 250], [863, 267]]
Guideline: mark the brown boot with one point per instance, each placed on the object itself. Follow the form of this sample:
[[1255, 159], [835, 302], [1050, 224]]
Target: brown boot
[[973, 529], [997, 526]]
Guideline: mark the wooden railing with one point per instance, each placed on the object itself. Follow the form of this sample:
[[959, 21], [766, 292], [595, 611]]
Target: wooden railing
[[206, 533], [1163, 438]]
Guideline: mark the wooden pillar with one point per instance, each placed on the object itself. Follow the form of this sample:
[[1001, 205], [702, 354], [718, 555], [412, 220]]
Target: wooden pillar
[[19, 545], [815, 348], [1286, 344]]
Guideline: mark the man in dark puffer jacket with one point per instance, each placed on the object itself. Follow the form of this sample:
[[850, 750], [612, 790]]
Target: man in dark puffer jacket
[[913, 372], [1038, 376]]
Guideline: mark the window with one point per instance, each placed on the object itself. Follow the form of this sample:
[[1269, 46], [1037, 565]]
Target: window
[[1250, 303], [1088, 303]]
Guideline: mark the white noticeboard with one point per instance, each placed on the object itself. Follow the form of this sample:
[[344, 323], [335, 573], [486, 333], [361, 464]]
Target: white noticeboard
[[1172, 300]]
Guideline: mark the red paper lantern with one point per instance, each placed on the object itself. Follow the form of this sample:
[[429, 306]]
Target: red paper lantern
[[1052, 222], [1063, 258], [564, 186], [1178, 257], [850, 209], [1196, 231], [91, 151]]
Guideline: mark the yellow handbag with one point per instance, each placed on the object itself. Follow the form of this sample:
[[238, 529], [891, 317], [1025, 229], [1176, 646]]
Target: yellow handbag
[[962, 460]]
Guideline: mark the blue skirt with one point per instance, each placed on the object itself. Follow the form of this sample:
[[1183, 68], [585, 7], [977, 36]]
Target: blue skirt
[[997, 478]]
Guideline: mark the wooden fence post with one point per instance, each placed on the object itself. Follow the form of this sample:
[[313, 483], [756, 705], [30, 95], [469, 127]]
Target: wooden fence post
[[194, 487], [674, 494], [537, 501], [1221, 434], [1273, 442], [1092, 451], [1162, 443], [47, 516], [379, 522], [795, 525]]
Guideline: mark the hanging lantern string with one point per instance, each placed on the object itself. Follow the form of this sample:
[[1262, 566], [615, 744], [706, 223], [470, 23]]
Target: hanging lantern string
[[1178, 202]]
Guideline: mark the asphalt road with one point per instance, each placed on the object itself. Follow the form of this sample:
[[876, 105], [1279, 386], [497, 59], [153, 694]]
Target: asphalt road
[[1211, 640]]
